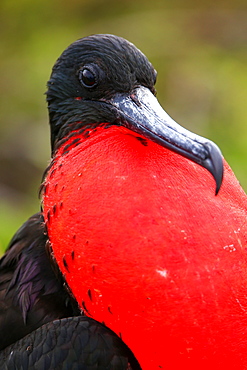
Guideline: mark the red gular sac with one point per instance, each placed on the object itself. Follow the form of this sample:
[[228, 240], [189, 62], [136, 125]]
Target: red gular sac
[[135, 226]]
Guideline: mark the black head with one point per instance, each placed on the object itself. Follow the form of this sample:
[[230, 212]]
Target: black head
[[94, 68]]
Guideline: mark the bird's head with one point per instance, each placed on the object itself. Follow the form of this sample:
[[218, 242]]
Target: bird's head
[[106, 79]]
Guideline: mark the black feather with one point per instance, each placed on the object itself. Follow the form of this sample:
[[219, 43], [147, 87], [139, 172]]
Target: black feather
[[71, 343], [31, 287]]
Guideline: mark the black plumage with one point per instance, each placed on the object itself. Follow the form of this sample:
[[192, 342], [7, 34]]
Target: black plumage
[[32, 290], [117, 66], [71, 343]]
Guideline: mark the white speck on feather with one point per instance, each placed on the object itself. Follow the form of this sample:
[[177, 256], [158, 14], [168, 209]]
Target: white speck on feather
[[163, 273], [237, 231], [241, 306], [230, 248]]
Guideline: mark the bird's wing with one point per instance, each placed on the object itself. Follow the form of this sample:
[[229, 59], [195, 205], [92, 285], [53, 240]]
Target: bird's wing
[[70, 343], [32, 290]]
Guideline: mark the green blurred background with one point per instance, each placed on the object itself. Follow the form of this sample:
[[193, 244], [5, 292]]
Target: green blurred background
[[198, 48]]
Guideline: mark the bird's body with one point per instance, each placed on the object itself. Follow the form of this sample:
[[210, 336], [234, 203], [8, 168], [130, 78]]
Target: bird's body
[[132, 218], [151, 257]]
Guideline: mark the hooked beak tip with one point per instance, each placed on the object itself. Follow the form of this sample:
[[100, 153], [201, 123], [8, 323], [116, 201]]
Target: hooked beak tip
[[214, 164]]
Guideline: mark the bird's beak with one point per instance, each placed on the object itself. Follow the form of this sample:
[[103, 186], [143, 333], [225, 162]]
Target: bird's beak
[[142, 113]]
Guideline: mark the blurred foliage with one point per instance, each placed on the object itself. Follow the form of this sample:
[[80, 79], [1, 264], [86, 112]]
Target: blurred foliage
[[198, 48]]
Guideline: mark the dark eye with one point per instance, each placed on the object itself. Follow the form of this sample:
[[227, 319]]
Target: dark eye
[[88, 77]]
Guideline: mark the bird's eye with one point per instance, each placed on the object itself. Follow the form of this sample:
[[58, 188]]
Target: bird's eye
[[88, 77]]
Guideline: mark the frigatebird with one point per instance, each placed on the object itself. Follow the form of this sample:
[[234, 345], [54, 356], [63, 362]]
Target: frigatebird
[[131, 219]]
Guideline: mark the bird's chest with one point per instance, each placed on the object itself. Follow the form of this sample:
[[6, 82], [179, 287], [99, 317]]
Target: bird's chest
[[144, 243]]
